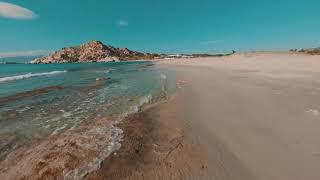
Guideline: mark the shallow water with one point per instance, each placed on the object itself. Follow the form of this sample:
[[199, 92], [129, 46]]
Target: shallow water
[[44, 100]]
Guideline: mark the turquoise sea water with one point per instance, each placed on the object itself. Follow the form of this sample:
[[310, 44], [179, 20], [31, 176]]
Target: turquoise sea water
[[41, 100]]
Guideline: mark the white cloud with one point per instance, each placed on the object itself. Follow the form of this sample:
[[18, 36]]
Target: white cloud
[[15, 12], [122, 23], [23, 53], [212, 42]]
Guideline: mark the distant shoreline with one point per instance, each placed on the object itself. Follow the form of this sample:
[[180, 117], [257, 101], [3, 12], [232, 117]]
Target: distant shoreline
[[168, 56]]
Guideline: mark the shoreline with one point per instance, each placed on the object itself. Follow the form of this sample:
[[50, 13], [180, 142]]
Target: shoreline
[[249, 116], [72, 150], [62, 155], [155, 146]]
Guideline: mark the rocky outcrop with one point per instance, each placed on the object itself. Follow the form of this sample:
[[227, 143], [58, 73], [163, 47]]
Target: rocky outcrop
[[93, 51]]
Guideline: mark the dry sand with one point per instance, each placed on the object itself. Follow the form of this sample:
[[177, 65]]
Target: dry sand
[[256, 115]]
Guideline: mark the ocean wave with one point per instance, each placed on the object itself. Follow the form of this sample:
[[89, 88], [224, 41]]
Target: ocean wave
[[136, 107], [105, 71], [29, 75], [111, 136], [84, 131], [69, 155], [85, 147]]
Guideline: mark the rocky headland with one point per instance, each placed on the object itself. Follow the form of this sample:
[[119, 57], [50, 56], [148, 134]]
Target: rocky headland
[[93, 51]]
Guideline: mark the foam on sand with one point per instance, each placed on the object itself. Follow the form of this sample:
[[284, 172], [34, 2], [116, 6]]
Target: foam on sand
[[69, 155]]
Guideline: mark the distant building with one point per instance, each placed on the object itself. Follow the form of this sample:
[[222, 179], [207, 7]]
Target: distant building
[[177, 56], [174, 56], [187, 56]]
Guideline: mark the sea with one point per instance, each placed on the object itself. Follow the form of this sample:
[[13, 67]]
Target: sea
[[80, 103]]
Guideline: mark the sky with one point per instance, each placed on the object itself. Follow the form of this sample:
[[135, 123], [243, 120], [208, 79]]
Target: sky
[[168, 26]]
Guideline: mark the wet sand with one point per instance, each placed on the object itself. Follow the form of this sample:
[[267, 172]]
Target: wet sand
[[69, 155], [155, 146]]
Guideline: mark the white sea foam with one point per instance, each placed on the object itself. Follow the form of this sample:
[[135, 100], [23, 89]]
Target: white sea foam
[[106, 71], [163, 76], [111, 141], [29, 75], [135, 108], [107, 141], [56, 131]]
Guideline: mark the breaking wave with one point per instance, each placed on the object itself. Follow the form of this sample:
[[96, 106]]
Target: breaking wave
[[29, 75], [74, 146]]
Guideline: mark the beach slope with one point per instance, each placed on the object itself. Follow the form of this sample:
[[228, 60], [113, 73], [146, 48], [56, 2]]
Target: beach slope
[[255, 115]]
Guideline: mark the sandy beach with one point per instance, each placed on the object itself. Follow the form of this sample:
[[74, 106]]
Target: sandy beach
[[246, 116], [257, 115], [159, 90]]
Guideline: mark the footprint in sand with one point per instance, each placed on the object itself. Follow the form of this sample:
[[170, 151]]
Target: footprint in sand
[[313, 112]]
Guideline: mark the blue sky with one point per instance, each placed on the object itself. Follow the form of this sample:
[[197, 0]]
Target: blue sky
[[181, 26]]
